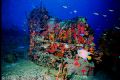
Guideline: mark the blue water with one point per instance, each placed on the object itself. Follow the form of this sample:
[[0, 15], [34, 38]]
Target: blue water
[[100, 14]]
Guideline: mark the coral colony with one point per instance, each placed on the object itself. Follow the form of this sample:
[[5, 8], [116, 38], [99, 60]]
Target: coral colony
[[54, 42]]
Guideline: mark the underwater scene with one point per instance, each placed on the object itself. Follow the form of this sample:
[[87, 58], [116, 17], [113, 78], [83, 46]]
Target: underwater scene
[[60, 40]]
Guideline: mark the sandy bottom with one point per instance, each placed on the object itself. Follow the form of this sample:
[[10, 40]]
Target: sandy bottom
[[28, 70]]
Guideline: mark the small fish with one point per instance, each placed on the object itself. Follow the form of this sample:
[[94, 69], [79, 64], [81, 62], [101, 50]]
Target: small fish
[[65, 7], [75, 11], [104, 15], [111, 10], [117, 27], [104, 34], [96, 13]]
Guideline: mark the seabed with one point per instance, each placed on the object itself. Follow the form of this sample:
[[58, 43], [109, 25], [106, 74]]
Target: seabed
[[28, 70]]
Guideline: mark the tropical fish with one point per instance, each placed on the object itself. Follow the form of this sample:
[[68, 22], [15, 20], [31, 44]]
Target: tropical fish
[[75, 11], [95, 13], [104, 15], [111, 10], [65, 6], [117, 27]]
